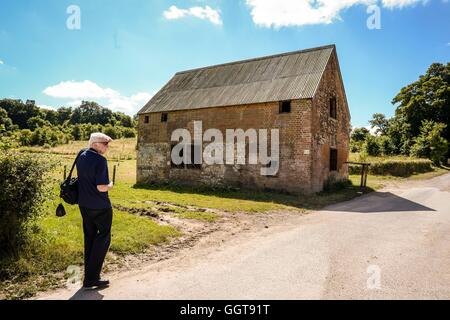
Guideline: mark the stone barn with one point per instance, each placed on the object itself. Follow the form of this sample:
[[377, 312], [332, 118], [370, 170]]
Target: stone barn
[[299, 93]]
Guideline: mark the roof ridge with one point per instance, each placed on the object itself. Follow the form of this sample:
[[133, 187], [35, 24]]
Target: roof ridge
[[260, 58]]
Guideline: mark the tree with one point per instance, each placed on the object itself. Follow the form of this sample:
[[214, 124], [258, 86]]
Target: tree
[[430, 143], [387, 148], [91, 112], [399, 133], [426, 99], [358, 136], [37, 122], [371, 146], [380, 123], [124, 120], [6, 123], [51, 116], [64, 114], [20, 112]]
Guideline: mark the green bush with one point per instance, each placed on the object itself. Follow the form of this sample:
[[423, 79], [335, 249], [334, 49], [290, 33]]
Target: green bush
[[398, 168], [113, 132], [387, 147], [371, 146], [59, 135], [22, 192], [430, 143], [129, 133]]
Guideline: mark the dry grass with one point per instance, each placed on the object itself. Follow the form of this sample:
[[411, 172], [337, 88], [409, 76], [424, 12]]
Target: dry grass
[[123, 149]]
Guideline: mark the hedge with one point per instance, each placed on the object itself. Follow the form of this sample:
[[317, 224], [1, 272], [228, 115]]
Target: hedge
[[397, 168], [23, 189]]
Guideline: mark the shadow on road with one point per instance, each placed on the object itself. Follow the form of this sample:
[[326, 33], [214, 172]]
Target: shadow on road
[[378, 202], [84, 294]]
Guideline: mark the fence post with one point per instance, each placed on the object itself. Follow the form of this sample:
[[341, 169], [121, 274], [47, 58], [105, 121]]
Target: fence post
[[114, 174], [65, 173]]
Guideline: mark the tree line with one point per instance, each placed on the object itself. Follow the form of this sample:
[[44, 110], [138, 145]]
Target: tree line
[[26, 124], [420, 127]]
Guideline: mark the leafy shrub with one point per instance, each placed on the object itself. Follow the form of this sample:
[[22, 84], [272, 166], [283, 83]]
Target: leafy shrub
[[387, 147], [113, 132], [371, 146], [24, 137], [22, 192], [129, 133], [430, 143], [6, 143], [398, 168], [360, 134]]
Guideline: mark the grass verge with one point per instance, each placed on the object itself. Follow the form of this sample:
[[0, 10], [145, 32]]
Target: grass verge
[[57, 243]]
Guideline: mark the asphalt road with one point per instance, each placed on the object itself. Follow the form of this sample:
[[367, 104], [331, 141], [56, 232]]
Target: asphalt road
[[392, 244]]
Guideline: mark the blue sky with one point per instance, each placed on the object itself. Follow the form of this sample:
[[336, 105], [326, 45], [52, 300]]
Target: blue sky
[[126, 50]]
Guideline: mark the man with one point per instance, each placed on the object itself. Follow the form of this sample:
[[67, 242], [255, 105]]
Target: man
[[95, 207]]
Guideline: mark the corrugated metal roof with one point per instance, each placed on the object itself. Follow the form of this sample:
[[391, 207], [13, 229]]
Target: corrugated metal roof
[[294, 75]]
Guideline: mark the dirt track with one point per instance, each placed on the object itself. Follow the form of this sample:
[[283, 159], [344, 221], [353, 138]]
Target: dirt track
[[401, 233]]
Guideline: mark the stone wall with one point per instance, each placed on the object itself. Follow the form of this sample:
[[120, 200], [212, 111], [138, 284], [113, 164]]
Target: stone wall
[[295, 146], [327, 132]]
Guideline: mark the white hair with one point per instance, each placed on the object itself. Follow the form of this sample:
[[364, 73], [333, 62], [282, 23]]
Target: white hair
[[98, 137]]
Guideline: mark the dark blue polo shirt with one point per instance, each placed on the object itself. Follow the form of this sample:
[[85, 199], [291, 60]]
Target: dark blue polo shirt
[[92, 170]]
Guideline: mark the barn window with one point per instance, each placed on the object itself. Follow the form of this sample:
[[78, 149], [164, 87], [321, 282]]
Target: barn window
[[147, 119], [333, 160], [333, 108], [164, 117], [285, 106]]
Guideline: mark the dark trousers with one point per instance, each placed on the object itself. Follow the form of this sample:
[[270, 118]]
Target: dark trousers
[[97, 239]]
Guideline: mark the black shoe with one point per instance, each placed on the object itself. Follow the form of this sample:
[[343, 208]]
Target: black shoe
[[96, 284]]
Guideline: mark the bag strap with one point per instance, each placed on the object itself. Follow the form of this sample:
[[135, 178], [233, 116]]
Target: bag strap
[[74, 163]]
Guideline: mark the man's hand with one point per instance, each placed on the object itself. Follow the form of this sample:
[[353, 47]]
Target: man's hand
[[105, 188]]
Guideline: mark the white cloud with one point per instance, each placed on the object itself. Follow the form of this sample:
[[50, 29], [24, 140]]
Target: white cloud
[[129, 105], [75, 90], [373, 131], [392, 4], [288, 13], [1, 62], [204, 13], [43, 106], [88, 90]]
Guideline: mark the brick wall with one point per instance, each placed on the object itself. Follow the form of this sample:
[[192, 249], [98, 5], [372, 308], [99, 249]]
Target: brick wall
[[327, 132], [295, 144]]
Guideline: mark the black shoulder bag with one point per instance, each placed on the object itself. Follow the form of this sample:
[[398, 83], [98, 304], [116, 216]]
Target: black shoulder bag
[[69, 188]]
